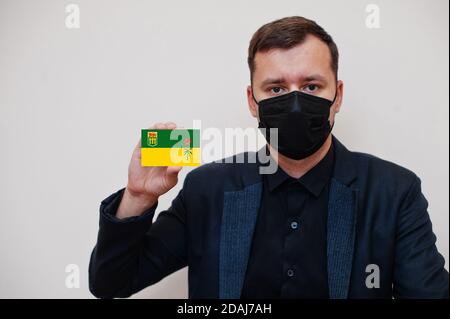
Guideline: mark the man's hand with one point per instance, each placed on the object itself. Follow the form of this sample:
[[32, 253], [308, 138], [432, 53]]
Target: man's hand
[[146, 184]]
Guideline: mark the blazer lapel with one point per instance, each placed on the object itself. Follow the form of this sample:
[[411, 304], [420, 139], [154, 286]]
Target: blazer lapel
[[341, 225], [340, 238], [240, 210]]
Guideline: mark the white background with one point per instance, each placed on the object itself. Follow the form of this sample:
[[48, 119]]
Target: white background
[[73, 101]]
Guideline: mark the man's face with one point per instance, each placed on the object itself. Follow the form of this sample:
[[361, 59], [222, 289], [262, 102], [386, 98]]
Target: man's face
[[305, 67]]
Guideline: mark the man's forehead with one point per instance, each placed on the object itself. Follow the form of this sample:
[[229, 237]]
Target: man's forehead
[[311, 56]]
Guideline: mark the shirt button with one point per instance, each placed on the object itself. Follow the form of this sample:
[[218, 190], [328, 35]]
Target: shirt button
[[290, 272], [294, 225]]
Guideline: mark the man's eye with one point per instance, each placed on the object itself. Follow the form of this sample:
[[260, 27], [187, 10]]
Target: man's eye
[[311, 88], [276, 90]]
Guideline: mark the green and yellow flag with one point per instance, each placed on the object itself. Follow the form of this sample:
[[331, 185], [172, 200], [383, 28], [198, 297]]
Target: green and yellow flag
[[179, 147]]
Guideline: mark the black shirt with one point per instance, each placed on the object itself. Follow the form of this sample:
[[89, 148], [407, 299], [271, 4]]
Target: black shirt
[[288, 258]]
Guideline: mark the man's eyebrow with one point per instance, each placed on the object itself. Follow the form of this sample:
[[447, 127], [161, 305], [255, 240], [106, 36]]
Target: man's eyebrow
[[316, 77], [309, 78], [272, 81]]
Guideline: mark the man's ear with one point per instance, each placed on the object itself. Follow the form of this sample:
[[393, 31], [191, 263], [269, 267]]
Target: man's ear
[[252, 106], [339, 97]]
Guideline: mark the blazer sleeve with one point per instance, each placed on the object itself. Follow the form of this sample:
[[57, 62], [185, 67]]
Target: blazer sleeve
[[418, 267], [134, 253]]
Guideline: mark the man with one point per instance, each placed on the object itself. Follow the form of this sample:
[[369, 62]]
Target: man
[[329, 223]]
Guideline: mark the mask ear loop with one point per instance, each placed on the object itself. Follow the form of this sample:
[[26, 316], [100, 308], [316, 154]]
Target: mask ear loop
[[334, 100], [251, 87], [267, 131]]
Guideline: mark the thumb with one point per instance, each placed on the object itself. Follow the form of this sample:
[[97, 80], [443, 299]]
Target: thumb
[[173, 170]]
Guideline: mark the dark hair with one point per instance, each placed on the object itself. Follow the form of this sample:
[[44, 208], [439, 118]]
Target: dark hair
[[286, 33]]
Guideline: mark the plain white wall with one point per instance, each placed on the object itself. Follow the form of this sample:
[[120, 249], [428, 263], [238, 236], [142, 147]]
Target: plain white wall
[[73, 101]]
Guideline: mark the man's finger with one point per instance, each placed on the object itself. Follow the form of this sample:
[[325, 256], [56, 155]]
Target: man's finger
[[171, 125], [173, 170]]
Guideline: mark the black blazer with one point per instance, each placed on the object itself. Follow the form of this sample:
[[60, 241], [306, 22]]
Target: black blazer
[[377, 219]]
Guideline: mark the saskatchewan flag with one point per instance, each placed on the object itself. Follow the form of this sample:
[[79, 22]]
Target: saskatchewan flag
[[179, 147]]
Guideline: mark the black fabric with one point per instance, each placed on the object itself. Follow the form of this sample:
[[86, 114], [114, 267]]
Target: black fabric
[[393, 231], [301, 123], [288, 258]]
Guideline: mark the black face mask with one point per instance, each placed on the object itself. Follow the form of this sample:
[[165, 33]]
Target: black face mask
[[301, 120]]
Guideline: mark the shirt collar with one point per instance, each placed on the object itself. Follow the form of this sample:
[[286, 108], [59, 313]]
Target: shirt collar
[[314, 180]]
